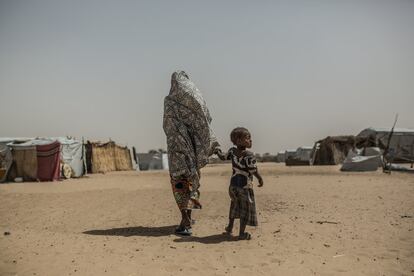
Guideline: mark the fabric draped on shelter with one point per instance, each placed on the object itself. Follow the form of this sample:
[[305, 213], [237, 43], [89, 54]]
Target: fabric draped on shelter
[[186, 123], [24, 162], [48, 161]]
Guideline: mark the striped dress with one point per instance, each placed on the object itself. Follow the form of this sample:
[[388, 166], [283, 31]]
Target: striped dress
[[243, 204]]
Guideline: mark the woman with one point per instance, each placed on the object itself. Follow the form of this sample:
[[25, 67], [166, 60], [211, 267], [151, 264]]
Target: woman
[[190, 141]]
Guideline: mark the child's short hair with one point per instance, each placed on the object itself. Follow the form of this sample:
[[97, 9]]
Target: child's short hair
[[237, 134]]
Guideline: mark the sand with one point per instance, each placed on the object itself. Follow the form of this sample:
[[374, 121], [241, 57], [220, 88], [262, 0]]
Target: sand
[[312, 221]]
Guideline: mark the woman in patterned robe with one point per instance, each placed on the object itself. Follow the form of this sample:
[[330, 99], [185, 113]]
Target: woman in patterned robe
[[190, 141]]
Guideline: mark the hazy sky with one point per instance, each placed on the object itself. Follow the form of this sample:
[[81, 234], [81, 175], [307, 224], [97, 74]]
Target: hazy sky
[[290, 71]]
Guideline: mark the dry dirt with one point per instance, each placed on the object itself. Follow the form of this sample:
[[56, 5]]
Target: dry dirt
[[312, 221]]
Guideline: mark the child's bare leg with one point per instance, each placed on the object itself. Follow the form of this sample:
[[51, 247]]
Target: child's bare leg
[[242, 234], [229, 228]]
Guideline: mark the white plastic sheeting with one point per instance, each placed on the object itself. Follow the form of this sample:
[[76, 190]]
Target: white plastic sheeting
[[72, 154], [371, 161]]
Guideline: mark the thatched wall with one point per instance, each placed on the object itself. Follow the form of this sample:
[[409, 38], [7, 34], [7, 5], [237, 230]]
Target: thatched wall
[[107, 157], [123, 161]]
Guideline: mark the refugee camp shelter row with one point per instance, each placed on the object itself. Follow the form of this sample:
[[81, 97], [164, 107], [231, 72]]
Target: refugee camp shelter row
[[41, 158], [107, 157]]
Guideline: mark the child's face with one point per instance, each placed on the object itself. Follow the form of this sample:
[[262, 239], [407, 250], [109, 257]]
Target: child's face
[[246, 141]]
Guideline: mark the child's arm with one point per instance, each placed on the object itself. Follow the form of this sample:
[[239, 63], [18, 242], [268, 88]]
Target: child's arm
[[252, 166], [220, 154], [259, 178]]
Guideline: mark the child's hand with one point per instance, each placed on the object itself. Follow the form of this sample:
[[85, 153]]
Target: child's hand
[[260, 183]]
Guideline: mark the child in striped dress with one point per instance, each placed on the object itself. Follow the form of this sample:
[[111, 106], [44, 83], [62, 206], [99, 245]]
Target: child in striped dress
[[243, 205]]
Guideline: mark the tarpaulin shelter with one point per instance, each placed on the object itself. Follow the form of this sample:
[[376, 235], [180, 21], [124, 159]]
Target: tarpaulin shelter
[[72, 154], [333, 149], [36, 159], [401, 147]]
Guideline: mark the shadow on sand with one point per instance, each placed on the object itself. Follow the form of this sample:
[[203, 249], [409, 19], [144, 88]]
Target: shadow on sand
[[135, 231], [213, 239]]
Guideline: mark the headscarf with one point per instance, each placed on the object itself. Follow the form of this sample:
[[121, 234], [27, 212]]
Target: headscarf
[[190, 140]]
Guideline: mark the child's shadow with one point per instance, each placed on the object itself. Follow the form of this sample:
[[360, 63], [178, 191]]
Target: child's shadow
[[212, 239], [135, 231]]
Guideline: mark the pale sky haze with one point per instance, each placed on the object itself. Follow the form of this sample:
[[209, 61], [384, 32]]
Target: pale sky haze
[[290, 71]]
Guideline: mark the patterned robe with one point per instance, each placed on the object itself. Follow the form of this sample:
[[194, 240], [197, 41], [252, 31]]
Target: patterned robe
[[190, 140]]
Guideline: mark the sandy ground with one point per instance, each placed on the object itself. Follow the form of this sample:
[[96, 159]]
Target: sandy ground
[[313, 221]]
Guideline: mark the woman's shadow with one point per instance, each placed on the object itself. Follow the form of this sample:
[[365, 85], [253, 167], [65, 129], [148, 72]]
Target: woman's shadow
[[160, 231], [142, 231]]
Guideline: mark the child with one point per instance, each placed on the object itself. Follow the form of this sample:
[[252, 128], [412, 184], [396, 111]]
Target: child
[[243, 204]]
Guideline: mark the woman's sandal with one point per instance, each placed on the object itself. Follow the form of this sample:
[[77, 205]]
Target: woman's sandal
[[183, 231], [245, 236]]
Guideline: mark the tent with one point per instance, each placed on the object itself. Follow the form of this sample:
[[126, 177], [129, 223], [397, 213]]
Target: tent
[[333, 149], [107, 157], [401, 146], [368, 159], [36, 159], [300, 157], [152, 161], [72, 154]]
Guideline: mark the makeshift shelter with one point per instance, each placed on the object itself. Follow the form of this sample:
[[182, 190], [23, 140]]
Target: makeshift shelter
[[333, 149], [36, 159], [107, 157], [301, 157], [152, 161], [401, 147], [6, 160], [366, 160], [72, 154]]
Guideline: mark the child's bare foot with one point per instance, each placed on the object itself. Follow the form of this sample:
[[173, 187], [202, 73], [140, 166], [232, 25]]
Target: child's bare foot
[[245, 236]]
